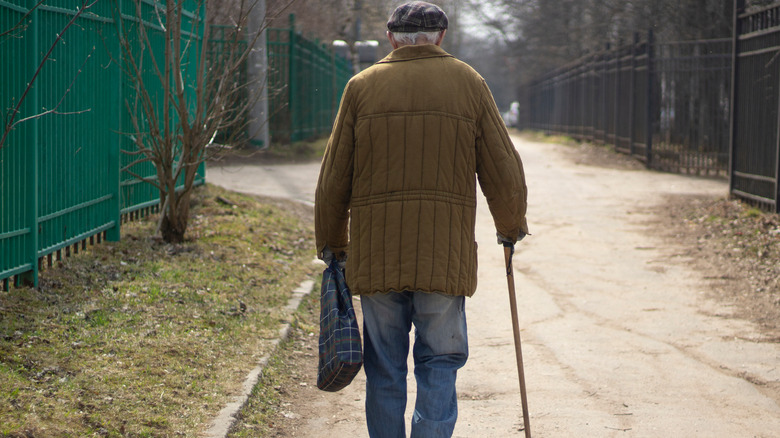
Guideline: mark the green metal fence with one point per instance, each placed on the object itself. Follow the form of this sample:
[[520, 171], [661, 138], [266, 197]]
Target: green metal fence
[[224, 46], [61, 170], [305, 82], [61, 182]]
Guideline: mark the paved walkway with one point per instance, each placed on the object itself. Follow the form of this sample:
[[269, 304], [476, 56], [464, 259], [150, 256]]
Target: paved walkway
[[618, 336], [289, 181]]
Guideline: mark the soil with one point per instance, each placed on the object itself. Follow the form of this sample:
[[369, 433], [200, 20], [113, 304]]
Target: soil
[[737, 249], [644, 312]]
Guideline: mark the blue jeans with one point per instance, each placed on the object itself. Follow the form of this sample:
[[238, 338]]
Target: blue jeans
[[440, 349]]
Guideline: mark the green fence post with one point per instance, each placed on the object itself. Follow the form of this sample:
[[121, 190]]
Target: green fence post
[[310, 73], [316, 88], [334, 81], [292, 95], [115, 157], [325, 72], [33, 198]]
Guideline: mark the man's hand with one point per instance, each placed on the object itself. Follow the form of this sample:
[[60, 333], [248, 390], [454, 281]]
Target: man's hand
[[501, 240], [327, 257]]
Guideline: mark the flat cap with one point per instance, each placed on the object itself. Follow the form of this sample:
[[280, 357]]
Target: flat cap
[[417, 17]]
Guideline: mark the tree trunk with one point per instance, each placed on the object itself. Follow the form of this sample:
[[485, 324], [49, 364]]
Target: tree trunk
[[175, 217]]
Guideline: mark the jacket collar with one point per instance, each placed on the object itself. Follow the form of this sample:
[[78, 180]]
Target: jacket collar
[[410, 53]]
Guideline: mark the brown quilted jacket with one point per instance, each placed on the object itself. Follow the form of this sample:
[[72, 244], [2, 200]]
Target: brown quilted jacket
[[397, 186]]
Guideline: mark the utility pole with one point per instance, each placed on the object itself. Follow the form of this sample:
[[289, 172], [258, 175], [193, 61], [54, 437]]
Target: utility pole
[[257, 73], [454, 18], [358, 9], [358, 16]]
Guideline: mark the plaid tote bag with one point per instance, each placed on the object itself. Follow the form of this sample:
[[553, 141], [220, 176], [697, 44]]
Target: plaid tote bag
[[341, 352]]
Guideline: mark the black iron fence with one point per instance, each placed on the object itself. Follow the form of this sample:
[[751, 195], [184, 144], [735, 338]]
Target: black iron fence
[[672, 105], [666, 104], [692, 86], [755, 140]]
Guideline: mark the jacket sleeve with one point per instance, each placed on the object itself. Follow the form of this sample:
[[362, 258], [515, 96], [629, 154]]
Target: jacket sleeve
[[334, 186], [500, 171]]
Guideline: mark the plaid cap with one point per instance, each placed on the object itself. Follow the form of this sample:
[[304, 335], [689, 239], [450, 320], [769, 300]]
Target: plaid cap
[[417, 17]]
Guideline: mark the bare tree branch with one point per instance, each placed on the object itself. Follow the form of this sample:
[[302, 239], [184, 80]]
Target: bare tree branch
[[62, 99], [152, 181], [19, 25], [196, 96], [10, 119]]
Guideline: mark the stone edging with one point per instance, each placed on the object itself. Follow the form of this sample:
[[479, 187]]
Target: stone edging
[[227, 416]]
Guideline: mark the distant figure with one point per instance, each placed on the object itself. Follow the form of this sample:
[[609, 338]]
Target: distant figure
[[512, 117], [397, 194]]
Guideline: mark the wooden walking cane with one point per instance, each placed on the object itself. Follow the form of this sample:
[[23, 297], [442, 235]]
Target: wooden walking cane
[[509, 249]]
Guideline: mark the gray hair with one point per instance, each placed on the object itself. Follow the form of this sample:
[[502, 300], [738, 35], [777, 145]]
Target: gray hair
[[414, 38]]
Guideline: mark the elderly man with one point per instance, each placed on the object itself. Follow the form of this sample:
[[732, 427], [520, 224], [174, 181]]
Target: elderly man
[[397, 195]]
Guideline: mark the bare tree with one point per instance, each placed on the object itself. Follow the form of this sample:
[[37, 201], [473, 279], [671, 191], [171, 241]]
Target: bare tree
[[345, 20], [183, 97]]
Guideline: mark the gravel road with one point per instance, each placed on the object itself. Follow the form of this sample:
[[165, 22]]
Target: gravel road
[[619, 336]]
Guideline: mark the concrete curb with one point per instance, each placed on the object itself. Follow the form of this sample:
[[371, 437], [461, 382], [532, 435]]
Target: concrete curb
[[227, 416]]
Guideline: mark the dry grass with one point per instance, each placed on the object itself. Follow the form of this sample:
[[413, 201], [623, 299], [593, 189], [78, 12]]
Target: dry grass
[[302, 151], [141, 338], [541, 137], [739, 247]]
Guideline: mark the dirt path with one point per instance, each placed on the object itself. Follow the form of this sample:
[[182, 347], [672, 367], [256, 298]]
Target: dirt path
[[619, 338]]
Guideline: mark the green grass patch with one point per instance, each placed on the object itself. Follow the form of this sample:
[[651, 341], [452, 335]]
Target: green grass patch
[[143, 338], [753, 212]]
